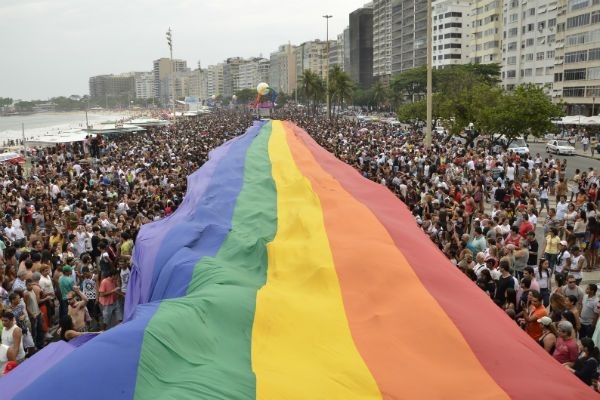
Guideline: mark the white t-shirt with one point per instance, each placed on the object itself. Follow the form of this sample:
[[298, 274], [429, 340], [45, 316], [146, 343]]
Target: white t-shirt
[[563, 260]]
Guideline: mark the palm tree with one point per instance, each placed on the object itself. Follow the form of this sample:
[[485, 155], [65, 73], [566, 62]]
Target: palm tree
[[341, 86], [312, 87], [379, 94]]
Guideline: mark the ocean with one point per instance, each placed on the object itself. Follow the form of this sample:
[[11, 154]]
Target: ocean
[[42, 123]]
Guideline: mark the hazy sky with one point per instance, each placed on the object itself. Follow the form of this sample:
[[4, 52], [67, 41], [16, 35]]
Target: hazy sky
[[51, 47]]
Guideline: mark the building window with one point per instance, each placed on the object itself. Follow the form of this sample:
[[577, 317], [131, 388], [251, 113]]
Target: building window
[[453, 25], [528, 72], [539, 71], [530, 27], [539, 56], [511, 74], [453, 35], [576, 91], [512, 46], [575, 74], [531, 12], [594, 54], [578, 4], [592, 91], [558, 77], [512, 60], [514, 17], [529, 42], [541, 25], [595, 17], [551, 22], [576, 56], [491, 44], [593, 73], [579, 20]]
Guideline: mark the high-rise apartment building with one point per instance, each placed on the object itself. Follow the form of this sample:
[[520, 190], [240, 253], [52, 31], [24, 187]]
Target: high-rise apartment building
[[361, 46], [487, 32], [313, 56], [528, 48], [577, 61], [347, 49], [251, 73], [382, 39], [282, 72], [215, 80], [144, 85], [105, 86], [198, 84], [409, 34], [452, 31], [163, 70]]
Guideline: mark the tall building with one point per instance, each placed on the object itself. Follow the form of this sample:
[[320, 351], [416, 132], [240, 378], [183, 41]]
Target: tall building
[[282, 72], [382, 39], [336, 52], [347, 49], [577, 61], [144, 85], [528, 49], [251, 73], [312, 55], [163, 70], [198, 84], [361, 46], [452, 27], [215, 80], [105, 86], [487, 32], [409, 34]]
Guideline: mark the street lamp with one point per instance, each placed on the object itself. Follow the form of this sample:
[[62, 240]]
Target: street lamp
[[170, 43], [327, 72]]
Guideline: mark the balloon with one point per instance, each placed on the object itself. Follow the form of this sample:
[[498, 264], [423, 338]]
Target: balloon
[[262, 88]]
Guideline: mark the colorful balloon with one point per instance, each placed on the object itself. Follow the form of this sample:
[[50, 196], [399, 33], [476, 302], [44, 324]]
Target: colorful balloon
[[262, 88]]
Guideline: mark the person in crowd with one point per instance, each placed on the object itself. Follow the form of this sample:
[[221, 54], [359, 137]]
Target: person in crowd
[[566, 351], [586, 365], [549, 334]]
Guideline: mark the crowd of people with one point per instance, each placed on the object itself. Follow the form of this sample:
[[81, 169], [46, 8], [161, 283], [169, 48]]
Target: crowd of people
[[518, 226], [482, 206], [69, 223]]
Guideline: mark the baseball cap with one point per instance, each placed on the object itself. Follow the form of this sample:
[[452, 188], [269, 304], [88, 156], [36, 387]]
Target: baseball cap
[[545, 321], [67, 268], [564, 243]]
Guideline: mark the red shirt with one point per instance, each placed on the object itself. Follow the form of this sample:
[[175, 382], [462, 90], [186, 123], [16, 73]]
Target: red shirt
[[566, 350], [525, 227], [107, 285]]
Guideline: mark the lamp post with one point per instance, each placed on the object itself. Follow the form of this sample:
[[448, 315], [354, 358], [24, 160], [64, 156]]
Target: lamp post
[[429, 126], [170, 43], [327, 72]]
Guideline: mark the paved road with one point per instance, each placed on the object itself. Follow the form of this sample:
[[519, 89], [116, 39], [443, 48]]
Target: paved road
[[573, 162]]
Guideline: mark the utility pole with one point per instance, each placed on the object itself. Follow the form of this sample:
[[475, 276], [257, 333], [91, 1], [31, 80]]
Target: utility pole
[[327, 72], [170, 42], [429, 127]]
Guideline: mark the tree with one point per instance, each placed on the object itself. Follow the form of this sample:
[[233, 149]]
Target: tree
[[412, 112], [408, 84], [5, 101], [313, 88], [526, 110], [245, 96], [380, 94], [341, 87]]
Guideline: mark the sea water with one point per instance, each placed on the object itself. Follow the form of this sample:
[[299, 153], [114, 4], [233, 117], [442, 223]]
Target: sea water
[[41, 124]]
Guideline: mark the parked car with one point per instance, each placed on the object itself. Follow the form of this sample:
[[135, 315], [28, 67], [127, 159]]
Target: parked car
[[518, 146], [560, 147]]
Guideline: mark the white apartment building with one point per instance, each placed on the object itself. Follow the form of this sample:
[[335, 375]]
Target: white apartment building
[[198, 84], [452, 32], [282, 71], [163, 70], [312, 55], [382, 39], [144, 85], [577, 62], [251, 73], [487, 32], [215, 78], [528, 49]]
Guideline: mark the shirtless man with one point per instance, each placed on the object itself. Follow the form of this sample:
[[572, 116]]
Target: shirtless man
[[77, 308]]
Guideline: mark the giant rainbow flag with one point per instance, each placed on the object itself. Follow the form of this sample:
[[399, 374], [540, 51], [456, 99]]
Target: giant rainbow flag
[[286, 275]]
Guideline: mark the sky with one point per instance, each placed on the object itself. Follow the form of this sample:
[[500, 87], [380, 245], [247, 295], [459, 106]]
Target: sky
[[51, 47]]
